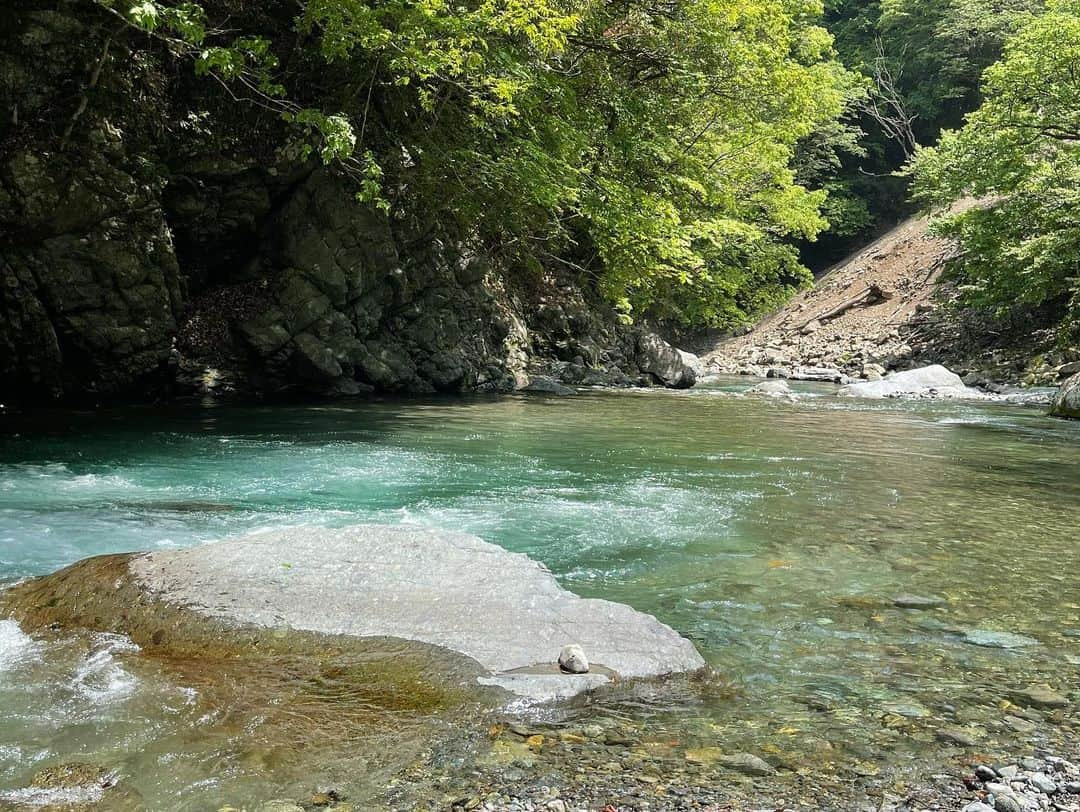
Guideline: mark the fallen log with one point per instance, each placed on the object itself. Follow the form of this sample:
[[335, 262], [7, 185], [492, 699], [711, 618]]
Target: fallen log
[[871, 295]]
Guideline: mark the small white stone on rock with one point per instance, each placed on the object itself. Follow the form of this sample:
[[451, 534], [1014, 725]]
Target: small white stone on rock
[[572, 659]]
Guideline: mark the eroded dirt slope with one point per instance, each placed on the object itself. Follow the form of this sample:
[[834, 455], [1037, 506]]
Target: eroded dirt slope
[[887, 308]]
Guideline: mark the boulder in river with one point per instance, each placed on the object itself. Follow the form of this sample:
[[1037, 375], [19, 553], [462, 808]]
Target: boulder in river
[[547, 386], [771, 389], [926, 382], [502, 611], [1066, 402], [669, 366]]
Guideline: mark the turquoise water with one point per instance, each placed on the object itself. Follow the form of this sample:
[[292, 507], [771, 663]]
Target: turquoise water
[[775, 535]]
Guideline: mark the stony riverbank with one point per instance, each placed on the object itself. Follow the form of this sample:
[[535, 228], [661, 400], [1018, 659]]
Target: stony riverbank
[[607, 766], [887, 309]]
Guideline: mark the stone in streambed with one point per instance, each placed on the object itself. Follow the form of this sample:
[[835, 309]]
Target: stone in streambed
[[1020, 725], [958, 736], [746, 763], [572, 660], [977, 806], [991, 639], [910, 710], [1007, 803], [1043, 783], [917, 602], [1039, 696]]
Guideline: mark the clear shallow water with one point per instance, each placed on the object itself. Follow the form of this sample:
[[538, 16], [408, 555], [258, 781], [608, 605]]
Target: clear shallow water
[[775, 535]]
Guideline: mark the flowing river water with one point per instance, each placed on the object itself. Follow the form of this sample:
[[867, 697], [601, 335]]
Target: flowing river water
[[776, 535]]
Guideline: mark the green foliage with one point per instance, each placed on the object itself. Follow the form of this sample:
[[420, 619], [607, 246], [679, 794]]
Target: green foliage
[[927, 55], [650, 147], [647, 146], [1019, 156], [936, 49]]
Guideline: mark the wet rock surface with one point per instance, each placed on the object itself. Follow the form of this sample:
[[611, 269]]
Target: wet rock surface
[[1066, 402], [446, 589]]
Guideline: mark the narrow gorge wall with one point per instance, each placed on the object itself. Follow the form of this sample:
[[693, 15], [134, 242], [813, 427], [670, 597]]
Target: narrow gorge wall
[[145, 253]]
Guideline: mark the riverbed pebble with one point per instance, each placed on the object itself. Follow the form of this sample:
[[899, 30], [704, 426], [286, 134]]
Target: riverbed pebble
[[1043, 783], [1040, 696]]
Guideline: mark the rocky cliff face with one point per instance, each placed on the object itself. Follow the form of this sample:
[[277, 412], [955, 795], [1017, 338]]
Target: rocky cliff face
[[143, 255]]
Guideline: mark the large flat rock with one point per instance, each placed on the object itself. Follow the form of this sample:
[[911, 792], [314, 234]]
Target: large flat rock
[[453, 590], [934, 381]]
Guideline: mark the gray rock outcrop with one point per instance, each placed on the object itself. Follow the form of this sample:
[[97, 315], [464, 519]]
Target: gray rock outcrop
[[143, 254], [1066, 402], [926, 382], [668, 365], [452, 590]]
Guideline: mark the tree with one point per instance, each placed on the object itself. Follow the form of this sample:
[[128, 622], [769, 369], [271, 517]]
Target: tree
[[1018, 155], [646, 145]]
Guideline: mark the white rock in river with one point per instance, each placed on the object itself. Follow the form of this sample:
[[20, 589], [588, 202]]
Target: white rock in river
[[992, 639], [453, 590], [771, 389], [932, 381], [572, 660]]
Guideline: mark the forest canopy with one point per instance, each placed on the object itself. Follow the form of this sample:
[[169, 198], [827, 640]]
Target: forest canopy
[[1018, 155], [646, 145], [679, 156]]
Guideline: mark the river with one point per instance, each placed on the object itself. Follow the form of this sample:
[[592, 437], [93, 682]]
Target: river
[[776, 535]]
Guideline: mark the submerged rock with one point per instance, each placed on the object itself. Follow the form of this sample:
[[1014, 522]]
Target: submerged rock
[[771, 389], [917, 602], [747, 764], [73, 787], [992, 639], [1040, 696], [1066, 402]]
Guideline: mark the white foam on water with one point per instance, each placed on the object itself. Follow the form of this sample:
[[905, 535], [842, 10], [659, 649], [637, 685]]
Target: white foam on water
[[16, 647], [100, 678], [37, 798]]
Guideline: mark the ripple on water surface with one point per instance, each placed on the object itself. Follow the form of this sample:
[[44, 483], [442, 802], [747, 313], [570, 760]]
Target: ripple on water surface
[[776, 535]]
